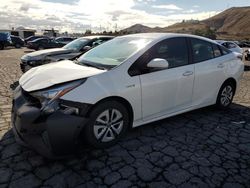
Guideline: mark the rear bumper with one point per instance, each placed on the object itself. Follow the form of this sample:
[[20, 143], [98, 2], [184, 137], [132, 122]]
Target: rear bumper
[[52, 136]]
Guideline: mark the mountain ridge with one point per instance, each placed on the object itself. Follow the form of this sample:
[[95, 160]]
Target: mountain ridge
[[232, 23]]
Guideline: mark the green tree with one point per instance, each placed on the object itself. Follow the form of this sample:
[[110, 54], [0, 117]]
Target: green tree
[[88, 32]]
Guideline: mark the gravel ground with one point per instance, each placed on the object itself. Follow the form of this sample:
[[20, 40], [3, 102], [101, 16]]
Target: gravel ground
[[203, 148]]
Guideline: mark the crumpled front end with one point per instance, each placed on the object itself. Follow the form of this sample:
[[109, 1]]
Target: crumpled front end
[[51, 134]]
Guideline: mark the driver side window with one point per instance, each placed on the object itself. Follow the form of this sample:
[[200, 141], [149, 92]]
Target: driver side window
[[174, 50]]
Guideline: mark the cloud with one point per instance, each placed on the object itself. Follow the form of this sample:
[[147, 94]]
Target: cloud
[[189, 11], [89, 14], [168, 7], [62, 1], [196, 6]]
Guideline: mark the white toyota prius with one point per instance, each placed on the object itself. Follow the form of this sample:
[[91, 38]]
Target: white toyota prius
[[125, 82]]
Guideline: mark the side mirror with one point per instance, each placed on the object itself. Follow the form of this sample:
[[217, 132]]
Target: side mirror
[[158, 63], [86, 48]]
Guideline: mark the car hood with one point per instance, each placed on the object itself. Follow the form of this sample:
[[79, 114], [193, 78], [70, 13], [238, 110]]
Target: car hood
[[55, 73], [42, 53]]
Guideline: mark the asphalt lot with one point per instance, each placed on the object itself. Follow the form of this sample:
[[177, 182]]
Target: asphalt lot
[[203, 148]]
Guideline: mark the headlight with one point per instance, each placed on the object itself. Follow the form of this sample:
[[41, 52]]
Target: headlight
[[48, 97]]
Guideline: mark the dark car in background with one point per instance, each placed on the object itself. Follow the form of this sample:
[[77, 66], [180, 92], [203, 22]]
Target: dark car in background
[[244, 44], [5, 40], [31, 38], [70, 51], [17, 41], [64, 40], [47, 43], [43, 43]]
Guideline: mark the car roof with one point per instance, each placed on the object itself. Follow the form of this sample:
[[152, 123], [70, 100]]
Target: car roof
[[162, 36], [64, 37], [223, 41], [98, 36], [40, 39], [15, 36]]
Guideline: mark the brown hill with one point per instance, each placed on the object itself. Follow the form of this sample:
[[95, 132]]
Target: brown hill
[[186, 27], [138, 28], [232, 23]]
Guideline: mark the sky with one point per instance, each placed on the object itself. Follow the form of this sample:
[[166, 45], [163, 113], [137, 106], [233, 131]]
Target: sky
[[99, 15]]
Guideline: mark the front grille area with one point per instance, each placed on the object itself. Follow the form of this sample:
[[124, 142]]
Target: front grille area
[[32, 100]]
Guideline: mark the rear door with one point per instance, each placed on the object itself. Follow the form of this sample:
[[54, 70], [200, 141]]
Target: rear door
[[210, 69]]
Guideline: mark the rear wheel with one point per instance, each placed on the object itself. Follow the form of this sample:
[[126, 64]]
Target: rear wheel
[[1, 46], [108, 122], [17, 45], [226, 95]]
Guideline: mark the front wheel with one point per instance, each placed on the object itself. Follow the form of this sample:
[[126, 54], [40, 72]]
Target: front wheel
[[108, 122], [226, 95], [40, 47]]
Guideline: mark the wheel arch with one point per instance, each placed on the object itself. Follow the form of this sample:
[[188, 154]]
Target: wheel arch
[[119, 99], [231, 80]]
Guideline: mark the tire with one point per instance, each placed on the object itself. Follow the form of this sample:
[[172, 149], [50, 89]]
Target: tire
[[106, 134], [40, 48], [1, 46], [17, 45], [226, 95]]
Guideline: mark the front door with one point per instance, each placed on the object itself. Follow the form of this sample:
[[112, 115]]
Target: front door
[[169, 90]]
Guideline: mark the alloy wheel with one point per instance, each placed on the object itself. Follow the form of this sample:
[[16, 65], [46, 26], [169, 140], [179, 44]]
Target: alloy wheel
[[226, 95], [108, 125]]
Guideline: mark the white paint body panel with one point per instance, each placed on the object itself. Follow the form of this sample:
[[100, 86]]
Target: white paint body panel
[[55, 73], [152, 96]]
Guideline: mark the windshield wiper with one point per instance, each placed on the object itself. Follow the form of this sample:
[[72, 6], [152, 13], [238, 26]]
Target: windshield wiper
[[89, 64]]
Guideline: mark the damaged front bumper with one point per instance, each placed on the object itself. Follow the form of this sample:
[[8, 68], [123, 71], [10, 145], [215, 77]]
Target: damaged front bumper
[[51, 135]]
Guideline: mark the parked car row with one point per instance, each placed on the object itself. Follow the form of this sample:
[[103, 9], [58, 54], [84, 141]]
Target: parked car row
[[231, 46], [244, 44], [70, 51], [47, 43], [125, 82], [33, 42]]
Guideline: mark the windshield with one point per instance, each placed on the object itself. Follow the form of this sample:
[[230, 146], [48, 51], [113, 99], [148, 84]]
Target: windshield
[[114, 52], [76, 44]]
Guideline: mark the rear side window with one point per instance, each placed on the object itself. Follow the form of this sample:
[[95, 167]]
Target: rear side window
[[202, 50], [44, 40], [67, 39]]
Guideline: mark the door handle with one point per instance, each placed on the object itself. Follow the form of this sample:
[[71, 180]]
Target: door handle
[[221, 66], [188, 73]]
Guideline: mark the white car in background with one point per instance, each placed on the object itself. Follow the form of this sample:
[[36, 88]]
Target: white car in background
[[231, 46], [126, 82]]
